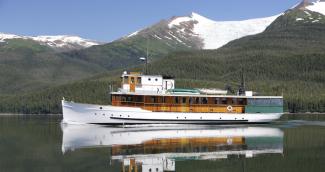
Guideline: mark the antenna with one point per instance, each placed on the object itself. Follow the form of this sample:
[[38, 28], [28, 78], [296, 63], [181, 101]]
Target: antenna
[[241, 89], [147, 56]]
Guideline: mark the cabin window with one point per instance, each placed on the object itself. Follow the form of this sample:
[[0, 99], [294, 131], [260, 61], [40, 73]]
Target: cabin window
[[123, 98], [139, 98], [197, 100], [163, 99], [176, 100], [224, 101], [240, 101], [153, 99], [126, 80], [129, 98], [265, 102], [216, 100], [190, 100], [234, 101], [184, 100], [149, 79], [156, 79], [205, 100], [138, 80]]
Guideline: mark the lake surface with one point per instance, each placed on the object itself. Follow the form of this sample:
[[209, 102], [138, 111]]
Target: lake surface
[[41, 143]]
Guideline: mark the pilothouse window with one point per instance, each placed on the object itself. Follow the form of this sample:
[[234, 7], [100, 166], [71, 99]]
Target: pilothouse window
[[126, 80]]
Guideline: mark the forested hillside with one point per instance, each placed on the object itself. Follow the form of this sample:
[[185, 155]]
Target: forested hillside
[[25, 66]]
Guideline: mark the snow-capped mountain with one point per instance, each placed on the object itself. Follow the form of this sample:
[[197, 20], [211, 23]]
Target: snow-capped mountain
[[57, 42], [218, 33], [210, 34]]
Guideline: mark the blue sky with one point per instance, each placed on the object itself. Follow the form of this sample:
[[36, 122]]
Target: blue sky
[[106, 20]]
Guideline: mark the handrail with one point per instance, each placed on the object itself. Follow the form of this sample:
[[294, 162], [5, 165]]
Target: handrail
[[179, 104]]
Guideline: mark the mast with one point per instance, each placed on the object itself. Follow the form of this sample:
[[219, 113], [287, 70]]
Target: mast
[[241, 89], [147, 55]]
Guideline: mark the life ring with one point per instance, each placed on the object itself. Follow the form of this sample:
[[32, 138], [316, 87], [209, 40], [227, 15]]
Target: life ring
[[229, 108]]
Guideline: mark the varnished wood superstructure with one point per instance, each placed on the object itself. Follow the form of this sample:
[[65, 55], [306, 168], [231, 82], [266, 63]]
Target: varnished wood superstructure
[[185, 103]]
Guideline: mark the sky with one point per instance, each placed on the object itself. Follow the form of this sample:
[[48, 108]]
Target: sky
[[107, 20]]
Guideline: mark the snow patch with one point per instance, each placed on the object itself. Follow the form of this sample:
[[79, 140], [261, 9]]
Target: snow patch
[[177, 39], [299, 19], [59, 41], [169, 38], [133, 34], [318, 6], [156, 36], [307, 13], [4, 36], [178, 21], [217, 34], [64, 40]]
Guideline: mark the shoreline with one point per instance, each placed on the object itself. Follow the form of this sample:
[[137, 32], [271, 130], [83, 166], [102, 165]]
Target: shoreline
[[18, 114]]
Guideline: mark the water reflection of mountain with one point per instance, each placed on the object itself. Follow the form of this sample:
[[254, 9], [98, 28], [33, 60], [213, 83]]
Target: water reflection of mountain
[[159, 148]]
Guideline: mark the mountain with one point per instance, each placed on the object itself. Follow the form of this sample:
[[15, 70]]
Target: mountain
[[59, 42], [192, 32], [196, 31]]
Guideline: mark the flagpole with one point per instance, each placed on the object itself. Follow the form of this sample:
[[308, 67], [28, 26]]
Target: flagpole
[[147, 58]]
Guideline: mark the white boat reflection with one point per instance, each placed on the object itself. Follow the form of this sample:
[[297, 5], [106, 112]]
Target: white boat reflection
[[157, 148]]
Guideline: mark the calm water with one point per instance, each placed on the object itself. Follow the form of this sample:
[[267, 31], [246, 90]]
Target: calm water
[[41, 143]]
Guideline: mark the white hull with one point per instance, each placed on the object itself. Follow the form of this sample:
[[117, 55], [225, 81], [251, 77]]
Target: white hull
[[77, 113]]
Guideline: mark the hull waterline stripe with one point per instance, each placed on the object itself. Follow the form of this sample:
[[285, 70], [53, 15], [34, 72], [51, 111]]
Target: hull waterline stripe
[[192, 123], [176, 120]]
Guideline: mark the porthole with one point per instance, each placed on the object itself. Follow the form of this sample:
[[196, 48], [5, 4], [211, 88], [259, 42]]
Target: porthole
[[100, 107], [156, 79], [185, 117], [220, 118], [120, 115], [149, 79], [177, 117], [129, 116]]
